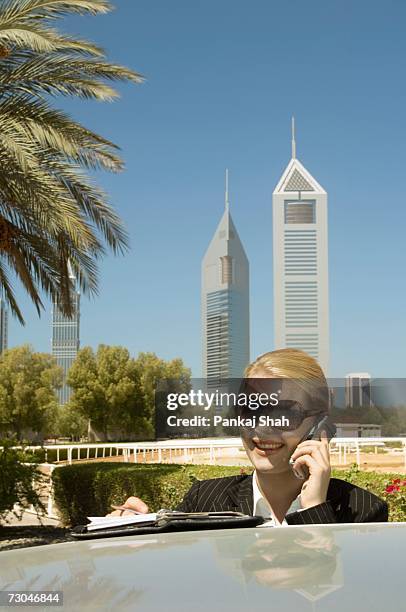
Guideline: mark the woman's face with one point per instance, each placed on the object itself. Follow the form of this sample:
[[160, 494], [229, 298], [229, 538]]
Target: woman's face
[[269, 449], [271, 452]]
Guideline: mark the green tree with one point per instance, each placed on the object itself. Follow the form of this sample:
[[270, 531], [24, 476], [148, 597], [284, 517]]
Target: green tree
[[391, 427], [117, 393], [51, 213], [21, 482], [71, 423], [107, 391], [28, 381], [372, 415], [172, 375]]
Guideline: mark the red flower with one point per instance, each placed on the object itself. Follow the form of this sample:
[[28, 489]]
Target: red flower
[[392, 488], [396, 481], [404, 483]]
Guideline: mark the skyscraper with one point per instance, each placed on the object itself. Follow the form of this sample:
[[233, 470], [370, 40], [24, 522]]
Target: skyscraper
[[65, 337], [300, 253], [3, 326], [225, 303], [358, 390]]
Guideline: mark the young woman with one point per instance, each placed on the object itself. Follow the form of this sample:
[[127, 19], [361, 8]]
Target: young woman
[[284, 494]]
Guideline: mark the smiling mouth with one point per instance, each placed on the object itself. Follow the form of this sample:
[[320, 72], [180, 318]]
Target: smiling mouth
[[267, 447]]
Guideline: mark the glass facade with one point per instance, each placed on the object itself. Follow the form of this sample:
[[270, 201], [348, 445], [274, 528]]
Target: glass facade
[[227, 335], [65, 342]]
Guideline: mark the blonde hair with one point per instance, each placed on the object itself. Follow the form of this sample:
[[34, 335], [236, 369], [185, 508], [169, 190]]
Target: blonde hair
[[293, 364], [286, 363]]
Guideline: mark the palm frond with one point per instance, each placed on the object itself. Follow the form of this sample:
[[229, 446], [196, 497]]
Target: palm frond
[[51, 213], [53, 129], [33, 9], [9, 293], [24, 36], [48, 202], [57, 73], [24, 24], [40, 262], [41, 40], [92, 203]]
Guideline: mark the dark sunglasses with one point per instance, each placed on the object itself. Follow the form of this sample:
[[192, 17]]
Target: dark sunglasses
[[287, 416]]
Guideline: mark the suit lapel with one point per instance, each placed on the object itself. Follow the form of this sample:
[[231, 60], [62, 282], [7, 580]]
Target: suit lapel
[[241, 495], [333, 497], [334, 489], [242, 499]]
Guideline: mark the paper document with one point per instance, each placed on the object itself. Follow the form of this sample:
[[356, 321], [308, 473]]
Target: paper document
[[105, 522]]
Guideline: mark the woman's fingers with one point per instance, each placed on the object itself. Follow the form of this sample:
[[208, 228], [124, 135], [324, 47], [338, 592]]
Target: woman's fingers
[[135, 503], [309, 448], [121, 513], [309, 461], [317, 456], [131, 503], [322, 443], [311, 445], [315, 452]]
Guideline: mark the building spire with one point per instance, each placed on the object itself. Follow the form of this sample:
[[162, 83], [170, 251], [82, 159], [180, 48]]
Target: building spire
[[293, 139], [227, 203]]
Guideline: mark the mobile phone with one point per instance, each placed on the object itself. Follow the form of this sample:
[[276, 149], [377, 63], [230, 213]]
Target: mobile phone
[[325, 424]]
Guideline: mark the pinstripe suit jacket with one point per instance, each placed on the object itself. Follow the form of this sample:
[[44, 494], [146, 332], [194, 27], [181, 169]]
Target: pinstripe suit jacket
[[346, 503]]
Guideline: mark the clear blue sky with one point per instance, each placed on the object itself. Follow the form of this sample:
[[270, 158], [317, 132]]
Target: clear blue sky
[[223, 79]]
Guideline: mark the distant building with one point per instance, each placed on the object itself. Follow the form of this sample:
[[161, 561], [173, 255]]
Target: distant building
[[358, 390], [358, 430], [3, 326], [65, 338], [225, 303], [300, 262]]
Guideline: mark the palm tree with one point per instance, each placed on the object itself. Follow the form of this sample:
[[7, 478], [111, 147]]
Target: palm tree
[[51, 213]]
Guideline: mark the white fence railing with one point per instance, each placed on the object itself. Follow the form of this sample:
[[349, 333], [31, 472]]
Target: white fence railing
[[183, 451]]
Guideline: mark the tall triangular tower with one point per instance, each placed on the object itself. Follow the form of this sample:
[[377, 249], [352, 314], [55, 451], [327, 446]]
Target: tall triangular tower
[[225, 303], [300, 261]]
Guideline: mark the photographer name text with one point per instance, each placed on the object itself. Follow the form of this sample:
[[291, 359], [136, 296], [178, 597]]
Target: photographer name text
[[205, 421]]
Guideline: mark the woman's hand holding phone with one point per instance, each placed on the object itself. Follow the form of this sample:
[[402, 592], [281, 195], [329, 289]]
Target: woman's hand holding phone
[[315, 455]]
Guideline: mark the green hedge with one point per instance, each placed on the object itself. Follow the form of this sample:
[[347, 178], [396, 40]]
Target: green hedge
[[89, 489]]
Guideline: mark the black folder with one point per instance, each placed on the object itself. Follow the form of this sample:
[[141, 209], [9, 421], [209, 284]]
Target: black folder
[[191, 521]]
